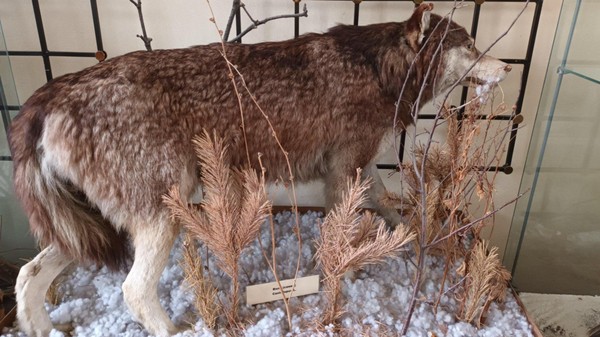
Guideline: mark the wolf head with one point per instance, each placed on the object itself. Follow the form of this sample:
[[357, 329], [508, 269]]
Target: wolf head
[[450, 51]]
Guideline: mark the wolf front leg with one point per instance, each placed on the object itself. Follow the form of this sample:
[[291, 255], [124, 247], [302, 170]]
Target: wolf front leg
[[376, 192], [32, 284], [342, 168], [152, 242]]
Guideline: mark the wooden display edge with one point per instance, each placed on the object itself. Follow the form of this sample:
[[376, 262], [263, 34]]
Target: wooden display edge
[[534, 328]]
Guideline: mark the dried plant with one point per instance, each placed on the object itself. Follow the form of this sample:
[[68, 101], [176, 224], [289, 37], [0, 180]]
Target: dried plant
[[144, 37], [206, 299], [452, 173], [485, 281], [233, 208], [444, 181], [349, 242], [451, 178]]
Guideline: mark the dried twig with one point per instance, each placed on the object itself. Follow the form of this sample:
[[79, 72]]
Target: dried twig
[[235, 10], [144, 37], [256, 23]]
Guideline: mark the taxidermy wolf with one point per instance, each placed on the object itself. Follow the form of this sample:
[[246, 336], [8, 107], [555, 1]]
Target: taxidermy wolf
[[94, 151]]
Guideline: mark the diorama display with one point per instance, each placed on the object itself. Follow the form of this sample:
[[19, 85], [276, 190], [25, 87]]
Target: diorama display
[[107, 160]]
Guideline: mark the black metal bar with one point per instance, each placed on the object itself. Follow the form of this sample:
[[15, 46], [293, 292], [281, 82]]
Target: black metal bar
[[465, 90], [296, 19], [505, 169], [96, 20], [356, 12], [526, 67], [514, 61], [42, 37], [475, 22], [402, 146], [387, 166], [50, 53], [5, 158], [478, 116], [238, 23], [5, 111]]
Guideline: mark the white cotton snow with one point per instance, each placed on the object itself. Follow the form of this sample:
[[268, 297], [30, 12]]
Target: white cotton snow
[[376, 298], [483, 91]]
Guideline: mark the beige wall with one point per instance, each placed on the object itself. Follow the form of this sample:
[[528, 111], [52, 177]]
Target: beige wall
[[181, 23]]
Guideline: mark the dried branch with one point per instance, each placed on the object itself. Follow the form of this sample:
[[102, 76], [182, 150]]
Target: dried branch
[[256, 23], [144, 37]]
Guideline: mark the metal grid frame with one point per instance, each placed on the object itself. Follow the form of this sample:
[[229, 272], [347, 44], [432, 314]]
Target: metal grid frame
[[514, 119]]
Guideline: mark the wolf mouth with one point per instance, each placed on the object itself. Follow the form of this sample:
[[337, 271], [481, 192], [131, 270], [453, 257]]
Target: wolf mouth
[[473, 81]]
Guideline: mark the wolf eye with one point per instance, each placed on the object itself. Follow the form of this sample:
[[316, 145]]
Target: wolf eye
[[469, 46]]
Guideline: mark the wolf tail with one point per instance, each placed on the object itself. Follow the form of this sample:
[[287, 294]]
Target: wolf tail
[[59, 213]]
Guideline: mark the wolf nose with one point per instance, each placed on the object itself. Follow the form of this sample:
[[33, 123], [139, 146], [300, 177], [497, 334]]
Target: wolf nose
[[508, 68]]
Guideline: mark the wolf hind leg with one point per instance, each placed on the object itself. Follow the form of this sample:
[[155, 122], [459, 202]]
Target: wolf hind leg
[[152, 243], [32, 284]]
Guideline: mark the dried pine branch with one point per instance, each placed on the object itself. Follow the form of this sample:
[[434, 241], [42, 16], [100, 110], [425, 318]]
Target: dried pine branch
[[205, 293], [349, 243], [486, 281], [232, 210]]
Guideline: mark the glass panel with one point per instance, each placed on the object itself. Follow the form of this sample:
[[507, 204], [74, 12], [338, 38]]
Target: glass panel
[[556, 226], [16, 244], [559, 250], [15, 241], [8, 95], [586, 72]]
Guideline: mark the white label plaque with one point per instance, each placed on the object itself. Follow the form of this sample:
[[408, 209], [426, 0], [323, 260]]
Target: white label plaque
[[268, 292]]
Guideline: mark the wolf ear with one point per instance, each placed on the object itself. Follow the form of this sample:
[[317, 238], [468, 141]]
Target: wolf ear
[[417, 25]]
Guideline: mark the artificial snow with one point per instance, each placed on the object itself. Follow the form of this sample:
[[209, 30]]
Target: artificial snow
[[376, 298]]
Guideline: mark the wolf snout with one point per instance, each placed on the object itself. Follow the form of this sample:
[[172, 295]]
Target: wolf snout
[[501, 72]]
